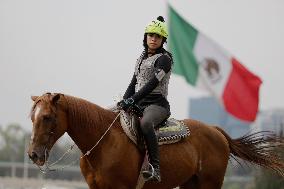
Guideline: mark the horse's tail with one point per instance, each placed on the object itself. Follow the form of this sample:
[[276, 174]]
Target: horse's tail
[[259, 148]]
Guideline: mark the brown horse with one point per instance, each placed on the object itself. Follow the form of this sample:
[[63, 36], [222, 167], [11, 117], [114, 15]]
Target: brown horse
[[198, 161]]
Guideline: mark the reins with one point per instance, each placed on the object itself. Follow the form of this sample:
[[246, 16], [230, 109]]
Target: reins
[[48, 166], [89, 151]]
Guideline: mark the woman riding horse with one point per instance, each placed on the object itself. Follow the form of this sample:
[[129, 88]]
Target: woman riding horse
[[111, 161], [149, 89]]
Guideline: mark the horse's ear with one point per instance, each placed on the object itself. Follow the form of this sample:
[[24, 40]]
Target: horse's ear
[[34, 98], [55, 98]]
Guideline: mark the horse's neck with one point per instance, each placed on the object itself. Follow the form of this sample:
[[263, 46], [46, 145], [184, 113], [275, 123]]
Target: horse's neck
[[87, 123]]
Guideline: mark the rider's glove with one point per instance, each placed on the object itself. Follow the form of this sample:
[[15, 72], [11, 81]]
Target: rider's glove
[[125, 104]]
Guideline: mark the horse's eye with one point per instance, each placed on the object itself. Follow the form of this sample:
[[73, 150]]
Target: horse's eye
[[47, 118]]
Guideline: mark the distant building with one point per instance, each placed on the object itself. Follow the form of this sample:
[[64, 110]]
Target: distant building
[[208, 110], [270, 120]]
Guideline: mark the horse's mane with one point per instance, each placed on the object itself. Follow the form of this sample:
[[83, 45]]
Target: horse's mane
[[82, 111]]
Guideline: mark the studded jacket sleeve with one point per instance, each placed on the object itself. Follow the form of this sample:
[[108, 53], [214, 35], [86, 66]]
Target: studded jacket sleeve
[[162, 65]]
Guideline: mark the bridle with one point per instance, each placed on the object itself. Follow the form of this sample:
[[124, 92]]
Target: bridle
[[50, 134]]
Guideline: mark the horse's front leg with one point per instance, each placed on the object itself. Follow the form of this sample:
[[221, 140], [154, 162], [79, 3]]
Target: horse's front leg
[[98, 182], [88, 173]]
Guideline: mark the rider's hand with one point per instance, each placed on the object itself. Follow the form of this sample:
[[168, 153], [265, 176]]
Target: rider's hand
[[125, 104]]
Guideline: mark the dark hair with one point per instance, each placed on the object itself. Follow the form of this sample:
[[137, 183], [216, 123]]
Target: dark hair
[[160, 18]]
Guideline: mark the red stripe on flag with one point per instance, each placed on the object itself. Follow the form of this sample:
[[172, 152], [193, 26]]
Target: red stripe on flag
[[241, 94]]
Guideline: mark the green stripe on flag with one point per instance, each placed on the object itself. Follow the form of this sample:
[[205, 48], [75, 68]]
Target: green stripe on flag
[[182, 37]]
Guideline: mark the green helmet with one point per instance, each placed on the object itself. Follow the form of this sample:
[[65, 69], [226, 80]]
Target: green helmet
[[158, 27]]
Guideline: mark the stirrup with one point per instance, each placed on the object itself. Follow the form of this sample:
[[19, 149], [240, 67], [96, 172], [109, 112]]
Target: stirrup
[[150, 174]]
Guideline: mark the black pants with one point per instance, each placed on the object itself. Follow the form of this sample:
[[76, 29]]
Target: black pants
[[153, 115]]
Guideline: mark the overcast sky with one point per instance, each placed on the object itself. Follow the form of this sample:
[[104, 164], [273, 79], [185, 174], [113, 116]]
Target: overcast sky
[[88, 48]]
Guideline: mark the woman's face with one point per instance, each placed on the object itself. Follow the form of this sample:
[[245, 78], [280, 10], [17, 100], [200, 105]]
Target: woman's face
[[154, 41]]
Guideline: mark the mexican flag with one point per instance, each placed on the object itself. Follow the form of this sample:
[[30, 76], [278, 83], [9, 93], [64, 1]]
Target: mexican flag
[[204, 64]]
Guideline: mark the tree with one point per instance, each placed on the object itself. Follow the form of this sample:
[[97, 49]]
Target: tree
[[268, 180], [13, 145]]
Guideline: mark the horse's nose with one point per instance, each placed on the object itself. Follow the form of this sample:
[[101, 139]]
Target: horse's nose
[[33, 156]]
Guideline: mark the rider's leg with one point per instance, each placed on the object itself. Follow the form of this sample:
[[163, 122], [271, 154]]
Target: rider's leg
[[152, 116]]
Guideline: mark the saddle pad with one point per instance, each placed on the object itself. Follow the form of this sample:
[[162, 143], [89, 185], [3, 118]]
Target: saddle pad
[[170, 132], [173, 131]]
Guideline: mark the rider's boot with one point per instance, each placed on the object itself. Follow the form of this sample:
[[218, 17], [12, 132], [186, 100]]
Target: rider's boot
[[153, 171]]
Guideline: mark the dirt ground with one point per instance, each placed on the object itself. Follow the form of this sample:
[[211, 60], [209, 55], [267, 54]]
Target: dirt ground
[[19, 183]]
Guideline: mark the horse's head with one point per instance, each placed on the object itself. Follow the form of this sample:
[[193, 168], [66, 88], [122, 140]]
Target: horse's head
[[49, 124]]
